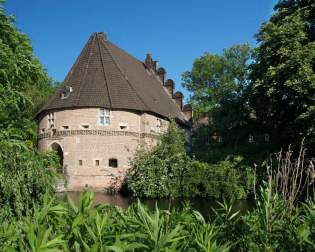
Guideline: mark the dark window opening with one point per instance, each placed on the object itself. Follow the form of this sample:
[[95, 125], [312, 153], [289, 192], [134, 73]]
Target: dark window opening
[[80, 162], [97, 163], [113, 162]]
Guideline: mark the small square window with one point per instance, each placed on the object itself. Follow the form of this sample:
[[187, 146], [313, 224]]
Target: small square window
[[80, 162], [113, 162], [65, 127], [97, 163], [85, 126]]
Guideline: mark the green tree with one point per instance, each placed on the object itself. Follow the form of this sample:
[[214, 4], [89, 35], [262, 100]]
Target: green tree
[[25, 174], [218, 84], [20, 69], [282, 91], [161, 171]]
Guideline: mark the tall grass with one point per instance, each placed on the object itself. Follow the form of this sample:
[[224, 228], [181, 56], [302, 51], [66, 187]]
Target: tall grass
[[64, 226]]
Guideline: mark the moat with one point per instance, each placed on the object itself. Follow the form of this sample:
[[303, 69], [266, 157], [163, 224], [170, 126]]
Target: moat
[[203, 205]]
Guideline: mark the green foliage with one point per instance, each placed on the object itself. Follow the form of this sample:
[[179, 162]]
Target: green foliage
[[161, 171], [25, 174], [283, 78], [19, 69], [63, 226], [225, 179], [167, 170], [218, 84]]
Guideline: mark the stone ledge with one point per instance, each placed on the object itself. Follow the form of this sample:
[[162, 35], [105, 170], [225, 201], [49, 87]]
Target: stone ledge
[[65, 133]]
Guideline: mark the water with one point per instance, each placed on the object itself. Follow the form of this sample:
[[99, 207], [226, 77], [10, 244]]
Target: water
[[203, 205]]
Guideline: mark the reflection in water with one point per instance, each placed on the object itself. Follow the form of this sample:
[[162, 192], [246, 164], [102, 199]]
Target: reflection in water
[[203, 205]]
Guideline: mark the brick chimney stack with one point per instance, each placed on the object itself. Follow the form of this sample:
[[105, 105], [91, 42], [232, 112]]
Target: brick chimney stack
[[169, 85], [178, 97], [148, 61], [161, 73]]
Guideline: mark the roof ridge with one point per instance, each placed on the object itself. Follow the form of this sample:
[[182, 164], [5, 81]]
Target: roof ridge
[[105, 78], [119, 68], [76, 101]]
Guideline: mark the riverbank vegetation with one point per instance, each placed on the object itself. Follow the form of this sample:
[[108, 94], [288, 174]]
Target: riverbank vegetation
[[256, 102], [56, 226], [168, 171]]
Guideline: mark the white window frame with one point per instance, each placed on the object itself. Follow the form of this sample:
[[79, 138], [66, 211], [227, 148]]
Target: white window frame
[[104, 117], [51, 119], [250, 138]]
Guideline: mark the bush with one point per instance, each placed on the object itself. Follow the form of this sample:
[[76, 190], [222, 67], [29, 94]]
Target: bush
[[225, 179], [167, 170]]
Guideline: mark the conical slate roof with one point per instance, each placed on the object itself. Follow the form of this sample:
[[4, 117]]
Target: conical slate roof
[[106, 76]]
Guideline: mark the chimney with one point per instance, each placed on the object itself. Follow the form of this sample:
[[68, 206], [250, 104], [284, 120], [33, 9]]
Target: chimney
[[187, 110], [169, 85], [102, 35], [154, 65], [148, 62], [178, 97], [161, 74]]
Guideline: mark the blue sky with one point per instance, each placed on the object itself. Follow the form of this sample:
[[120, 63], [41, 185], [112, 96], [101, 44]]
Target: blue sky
[[175, 32]]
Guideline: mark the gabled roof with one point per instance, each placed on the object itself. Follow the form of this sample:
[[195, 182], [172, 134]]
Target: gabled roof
[[106, 76]]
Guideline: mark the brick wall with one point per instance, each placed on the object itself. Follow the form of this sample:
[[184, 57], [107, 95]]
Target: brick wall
[[98, 143]]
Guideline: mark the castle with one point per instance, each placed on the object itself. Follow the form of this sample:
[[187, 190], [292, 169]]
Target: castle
[[108, 105]]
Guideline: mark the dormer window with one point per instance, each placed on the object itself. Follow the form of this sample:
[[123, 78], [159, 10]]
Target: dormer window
[[51, 120], [104, 117], [65, 92]]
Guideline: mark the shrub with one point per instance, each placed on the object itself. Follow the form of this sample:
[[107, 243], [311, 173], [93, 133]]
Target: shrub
[[167, 170]]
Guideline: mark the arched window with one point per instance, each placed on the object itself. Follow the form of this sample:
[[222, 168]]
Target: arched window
[[113, 162]]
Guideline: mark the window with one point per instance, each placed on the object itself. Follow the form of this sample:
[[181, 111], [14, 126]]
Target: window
[[85, 126], [65, 92], [123, 126], [43, 130], [80, 162], [251, 139], [220, 140], [113, 162], [159, 125], [51, 120], [267, 137], [65, 127], [97, 163], [104, 117]]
